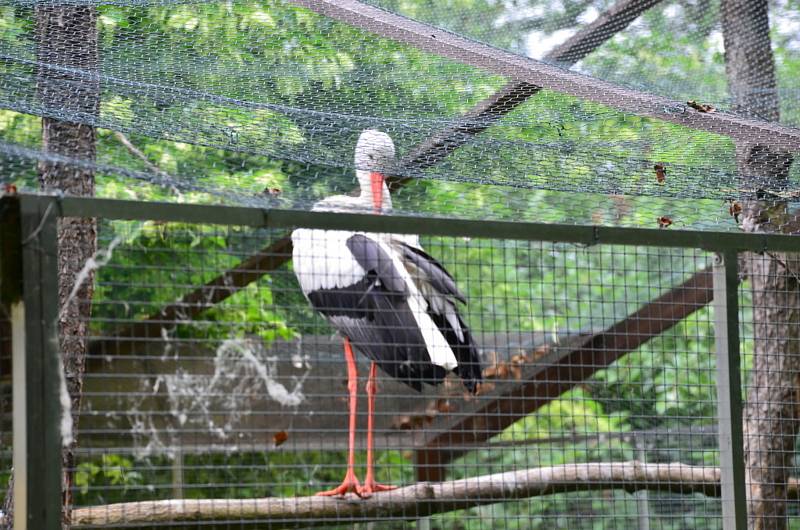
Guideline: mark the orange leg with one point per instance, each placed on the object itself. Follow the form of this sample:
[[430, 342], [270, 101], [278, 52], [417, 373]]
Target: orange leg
[[370, 486], [350, 482]]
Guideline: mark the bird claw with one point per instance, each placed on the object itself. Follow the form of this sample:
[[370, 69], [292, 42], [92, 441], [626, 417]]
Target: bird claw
[[370, 487], [350, 484]]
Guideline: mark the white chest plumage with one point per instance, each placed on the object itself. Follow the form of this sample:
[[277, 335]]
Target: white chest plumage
[[322, 260]]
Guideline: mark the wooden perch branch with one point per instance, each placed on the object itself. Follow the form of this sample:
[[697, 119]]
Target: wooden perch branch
[[421, 499]]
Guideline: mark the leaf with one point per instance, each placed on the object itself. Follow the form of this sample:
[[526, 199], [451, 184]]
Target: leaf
[[279, 438]]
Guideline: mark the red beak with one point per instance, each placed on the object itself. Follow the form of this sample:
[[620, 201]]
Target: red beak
[[377, 190]]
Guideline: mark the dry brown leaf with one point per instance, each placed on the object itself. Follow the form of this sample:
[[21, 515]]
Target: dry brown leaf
[[484, 388], [700, 107], [409, 422], [735, 209], [444, 406], [661, 172], [279, 438], [519, 359], [502, 371], [540, 352]]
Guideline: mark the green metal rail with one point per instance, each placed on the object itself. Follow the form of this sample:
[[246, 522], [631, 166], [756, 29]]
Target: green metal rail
[[714, 241]]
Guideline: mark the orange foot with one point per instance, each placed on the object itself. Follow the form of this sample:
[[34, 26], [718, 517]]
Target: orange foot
[[370, 487], [350, 484]]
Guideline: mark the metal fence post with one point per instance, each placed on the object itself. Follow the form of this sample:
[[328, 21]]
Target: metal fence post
[[643, 496], [36, 374], [729, 391]]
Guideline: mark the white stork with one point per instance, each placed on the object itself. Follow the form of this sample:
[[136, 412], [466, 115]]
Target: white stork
[[386, 296]]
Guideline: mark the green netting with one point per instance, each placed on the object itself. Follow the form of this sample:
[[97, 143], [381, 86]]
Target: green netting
[[279, 94]]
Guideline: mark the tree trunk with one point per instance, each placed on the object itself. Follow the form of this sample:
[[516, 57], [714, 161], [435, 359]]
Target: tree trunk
[[749, 63], [68, 88], [770, 417], [771, 409]]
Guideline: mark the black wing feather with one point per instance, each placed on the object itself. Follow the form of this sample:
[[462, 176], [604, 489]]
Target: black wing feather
[[379, 323], [439, 278], [392, 339], [373, 258], [466, 353]]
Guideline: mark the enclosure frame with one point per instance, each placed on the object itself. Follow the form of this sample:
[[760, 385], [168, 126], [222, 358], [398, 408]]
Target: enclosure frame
[[28, 276]]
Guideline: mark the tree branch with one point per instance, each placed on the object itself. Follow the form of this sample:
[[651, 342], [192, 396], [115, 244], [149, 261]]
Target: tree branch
[[770, 415], [125, 141], [419, 500]]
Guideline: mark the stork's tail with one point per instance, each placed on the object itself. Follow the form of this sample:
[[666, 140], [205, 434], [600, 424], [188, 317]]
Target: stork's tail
[[463, 348], [439, 348]]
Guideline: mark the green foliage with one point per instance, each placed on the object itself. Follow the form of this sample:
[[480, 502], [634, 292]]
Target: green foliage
[[156, 263], [519, 285], [669, 380], [115, 478], [111, 478]]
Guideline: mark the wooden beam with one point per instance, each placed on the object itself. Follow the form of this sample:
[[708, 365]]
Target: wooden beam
[[560, 371]]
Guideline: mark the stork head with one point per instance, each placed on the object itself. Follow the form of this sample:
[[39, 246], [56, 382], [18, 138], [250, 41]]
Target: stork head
[[374, 155]]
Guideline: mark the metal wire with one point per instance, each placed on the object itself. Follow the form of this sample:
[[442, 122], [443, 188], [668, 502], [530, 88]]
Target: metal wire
[[306, 111], [208, 374], [249, 400]]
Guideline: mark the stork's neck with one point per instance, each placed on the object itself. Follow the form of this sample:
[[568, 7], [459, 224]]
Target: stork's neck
[[366, 196]]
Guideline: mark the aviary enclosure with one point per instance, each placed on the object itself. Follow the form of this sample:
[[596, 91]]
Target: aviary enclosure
[[609, 187]]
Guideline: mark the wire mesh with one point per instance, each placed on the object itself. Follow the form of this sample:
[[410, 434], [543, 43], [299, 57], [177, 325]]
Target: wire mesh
[[639, 113], [248, 400], [689, 33], [267, 99], [418, 198]]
